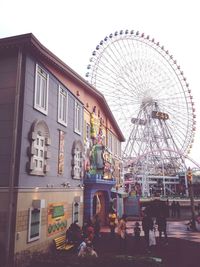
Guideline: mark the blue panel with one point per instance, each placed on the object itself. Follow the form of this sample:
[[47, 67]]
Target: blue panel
[[131, 206]]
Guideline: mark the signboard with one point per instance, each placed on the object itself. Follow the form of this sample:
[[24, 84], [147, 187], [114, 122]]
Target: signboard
[[160, 115], [57, 218], [131, 206]]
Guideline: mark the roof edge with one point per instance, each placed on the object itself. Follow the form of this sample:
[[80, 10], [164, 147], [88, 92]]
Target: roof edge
[[30, 39]]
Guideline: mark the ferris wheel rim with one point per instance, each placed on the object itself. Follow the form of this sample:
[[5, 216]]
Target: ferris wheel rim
[[175, 68]]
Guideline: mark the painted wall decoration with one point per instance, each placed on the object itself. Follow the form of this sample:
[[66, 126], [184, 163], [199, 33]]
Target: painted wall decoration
[[97, 130], [98, 160], [57, 218], [108, 165], [61, 153]]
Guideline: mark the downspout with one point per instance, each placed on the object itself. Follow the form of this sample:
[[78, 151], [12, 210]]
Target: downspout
[[10, 234]]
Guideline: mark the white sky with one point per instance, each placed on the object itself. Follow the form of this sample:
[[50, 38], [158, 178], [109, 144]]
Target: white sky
[[72, 29]]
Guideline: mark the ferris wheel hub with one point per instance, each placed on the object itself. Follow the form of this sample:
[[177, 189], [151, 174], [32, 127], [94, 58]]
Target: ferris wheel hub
[[147, 100]]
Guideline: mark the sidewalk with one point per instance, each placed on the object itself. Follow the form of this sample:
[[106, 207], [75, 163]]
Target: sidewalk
[[176, 229], [183, 249]]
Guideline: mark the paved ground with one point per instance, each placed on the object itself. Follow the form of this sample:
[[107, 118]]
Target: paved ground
[[183, 249], [176, 229]]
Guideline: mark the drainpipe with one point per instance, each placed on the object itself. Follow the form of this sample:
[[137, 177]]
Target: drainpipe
[[10, 239]]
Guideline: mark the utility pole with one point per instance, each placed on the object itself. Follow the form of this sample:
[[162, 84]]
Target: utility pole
[[191, 195]]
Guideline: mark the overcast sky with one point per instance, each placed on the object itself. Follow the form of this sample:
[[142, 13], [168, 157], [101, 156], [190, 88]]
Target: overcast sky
[[72, 29]]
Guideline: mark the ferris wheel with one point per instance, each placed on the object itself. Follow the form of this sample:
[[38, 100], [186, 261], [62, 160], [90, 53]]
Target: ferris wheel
[[149, 97]]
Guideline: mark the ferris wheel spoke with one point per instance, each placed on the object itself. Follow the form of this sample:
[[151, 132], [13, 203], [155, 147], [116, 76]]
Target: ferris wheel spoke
[[109, 81], [150, 99]]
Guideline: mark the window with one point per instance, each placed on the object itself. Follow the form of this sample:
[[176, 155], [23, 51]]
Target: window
[[77, 118], [41, 90], [77, 160], [62, 106], [114, 149], [77, 163], [34, 224], [75, 212], [119, 149], [39, 149], [38, 157], [110, 141]]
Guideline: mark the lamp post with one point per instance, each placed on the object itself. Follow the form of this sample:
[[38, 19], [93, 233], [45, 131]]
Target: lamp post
[[191, 195]]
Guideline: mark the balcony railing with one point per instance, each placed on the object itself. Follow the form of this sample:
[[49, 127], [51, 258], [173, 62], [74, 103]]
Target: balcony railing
[[98, 179]]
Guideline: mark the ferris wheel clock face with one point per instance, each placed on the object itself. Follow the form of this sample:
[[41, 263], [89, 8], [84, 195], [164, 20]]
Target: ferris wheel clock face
[[146, 91]]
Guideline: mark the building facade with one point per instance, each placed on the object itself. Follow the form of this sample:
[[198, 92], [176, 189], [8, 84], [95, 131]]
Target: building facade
[[48, 148]]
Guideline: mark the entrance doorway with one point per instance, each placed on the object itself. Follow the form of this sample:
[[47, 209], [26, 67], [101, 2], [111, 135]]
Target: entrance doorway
[[100, 202]]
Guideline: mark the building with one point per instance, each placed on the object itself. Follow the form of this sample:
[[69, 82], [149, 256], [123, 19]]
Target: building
[[44, 111]]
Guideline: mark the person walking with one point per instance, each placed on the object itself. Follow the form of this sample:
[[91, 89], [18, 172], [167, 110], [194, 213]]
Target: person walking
[[112, 218], [173, 209], [177, 209], [122, 233], [161, 221], [147, 225]]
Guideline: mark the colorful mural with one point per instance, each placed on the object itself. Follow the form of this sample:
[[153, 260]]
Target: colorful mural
[[57, 218], [61, 153], [97, 130], [108, 165], [99, 160]]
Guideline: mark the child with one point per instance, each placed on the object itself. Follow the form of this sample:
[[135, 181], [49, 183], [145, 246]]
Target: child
[[87, 250]]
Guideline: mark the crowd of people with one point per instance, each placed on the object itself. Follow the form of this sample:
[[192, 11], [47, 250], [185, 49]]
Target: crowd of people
[[85, 237]]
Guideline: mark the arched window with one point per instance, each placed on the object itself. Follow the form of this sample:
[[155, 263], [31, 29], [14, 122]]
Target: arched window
[[39, 149], [77, 160]]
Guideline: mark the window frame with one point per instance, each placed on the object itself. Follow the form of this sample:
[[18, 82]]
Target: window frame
[[77, 160], [77, 163], [30, 223], [38, 106], [62, 92], [77, 118], [39, 129], [75, 211], [110, 142], [40, 148]]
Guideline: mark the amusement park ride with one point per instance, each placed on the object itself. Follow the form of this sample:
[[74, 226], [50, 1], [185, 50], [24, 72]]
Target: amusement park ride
[[150, 98]]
